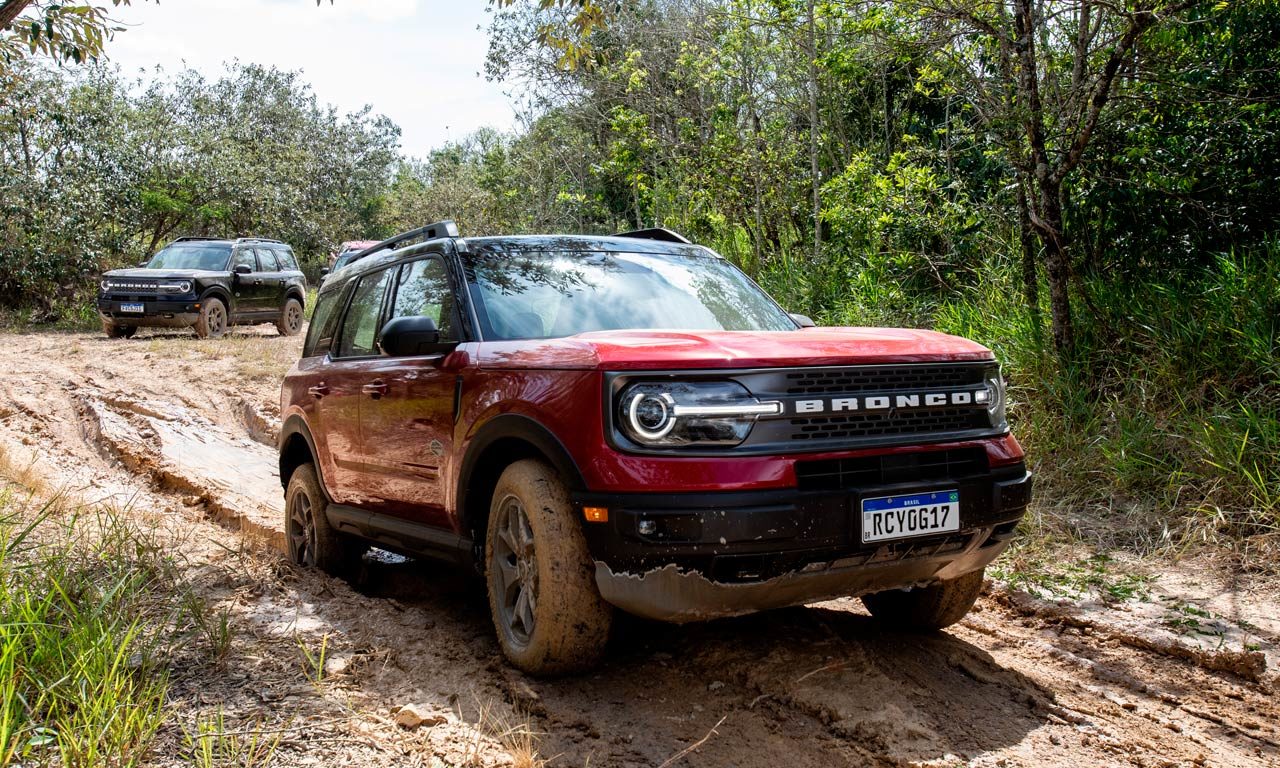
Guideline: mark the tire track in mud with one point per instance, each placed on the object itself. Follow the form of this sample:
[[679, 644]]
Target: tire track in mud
[[1014, 684]]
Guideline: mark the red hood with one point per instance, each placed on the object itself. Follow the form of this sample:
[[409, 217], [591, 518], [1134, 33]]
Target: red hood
[[629, 350]]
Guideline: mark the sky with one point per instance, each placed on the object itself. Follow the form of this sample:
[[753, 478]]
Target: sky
[[419, 62]]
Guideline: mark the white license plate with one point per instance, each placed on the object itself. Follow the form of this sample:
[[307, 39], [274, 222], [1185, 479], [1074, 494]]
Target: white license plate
[[139, 308], [916, 514]]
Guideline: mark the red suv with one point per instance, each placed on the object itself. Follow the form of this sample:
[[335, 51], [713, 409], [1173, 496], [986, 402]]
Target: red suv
[[629, 422]]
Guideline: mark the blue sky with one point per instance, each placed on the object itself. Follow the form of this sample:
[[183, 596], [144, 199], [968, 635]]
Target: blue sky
[[417, 61]]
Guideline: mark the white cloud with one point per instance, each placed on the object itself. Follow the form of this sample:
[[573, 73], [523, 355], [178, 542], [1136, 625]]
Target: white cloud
[[416, 61]]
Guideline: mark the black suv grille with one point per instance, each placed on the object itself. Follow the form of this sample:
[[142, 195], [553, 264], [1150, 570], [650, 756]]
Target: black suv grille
[[866, 471], [133, 286], [877, 378]]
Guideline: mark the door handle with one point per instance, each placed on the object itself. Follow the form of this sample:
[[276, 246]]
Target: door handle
[[375, 389], [318, 391], [257, 282]]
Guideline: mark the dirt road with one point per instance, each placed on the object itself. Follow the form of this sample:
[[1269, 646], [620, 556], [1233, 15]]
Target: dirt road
[[180, 431]]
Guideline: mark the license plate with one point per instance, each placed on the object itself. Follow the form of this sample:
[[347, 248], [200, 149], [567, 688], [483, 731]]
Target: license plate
[[918, 514], [139, 308]]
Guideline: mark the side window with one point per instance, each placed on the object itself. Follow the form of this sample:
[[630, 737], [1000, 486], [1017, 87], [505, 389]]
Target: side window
[[323, 320], [285, 257], [424, 290], [360, 325], [244, 256], [267, 258]]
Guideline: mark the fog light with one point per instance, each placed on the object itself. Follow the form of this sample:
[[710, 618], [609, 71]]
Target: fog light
[[647, 527]]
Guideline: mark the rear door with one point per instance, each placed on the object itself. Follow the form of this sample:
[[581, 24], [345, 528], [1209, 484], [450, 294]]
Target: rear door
[[407, 416]]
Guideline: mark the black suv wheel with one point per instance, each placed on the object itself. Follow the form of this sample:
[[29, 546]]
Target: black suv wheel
[[290, 322], [114, 331]]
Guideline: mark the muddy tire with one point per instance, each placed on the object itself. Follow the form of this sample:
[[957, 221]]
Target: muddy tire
[[114, 331], [546, 609], [290, 321], [310, 540], [212, 322], [933, 607]]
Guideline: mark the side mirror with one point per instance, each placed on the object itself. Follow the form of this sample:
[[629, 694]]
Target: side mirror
[[324, 271], [802, 320], [242, 269], [411, 337], [143, 264]]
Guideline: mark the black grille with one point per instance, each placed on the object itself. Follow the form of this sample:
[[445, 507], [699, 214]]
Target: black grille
[[133, 286], [882, 378], [893, 423], [866, 471]]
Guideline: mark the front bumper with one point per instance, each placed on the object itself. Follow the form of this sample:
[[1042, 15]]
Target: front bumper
[[174, 313], [722, 554]]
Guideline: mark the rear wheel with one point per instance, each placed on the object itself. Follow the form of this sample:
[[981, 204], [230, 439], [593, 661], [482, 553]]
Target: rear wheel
[[114, 331], [934, 607], [549, 615], [290, 320], [311, 541], [212, 322]]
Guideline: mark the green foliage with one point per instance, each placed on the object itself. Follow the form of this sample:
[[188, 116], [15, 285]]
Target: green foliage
[[82, 611]]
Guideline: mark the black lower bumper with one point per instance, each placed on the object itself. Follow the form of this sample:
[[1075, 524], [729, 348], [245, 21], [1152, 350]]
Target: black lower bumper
[[712, 554], [178, 313]]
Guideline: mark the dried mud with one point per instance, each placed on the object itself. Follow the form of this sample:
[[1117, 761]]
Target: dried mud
[[180, 432]]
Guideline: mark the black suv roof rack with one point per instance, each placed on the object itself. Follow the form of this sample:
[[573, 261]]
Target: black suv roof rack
[[258, 240], [190, 238], [443, 228], [656, 233]]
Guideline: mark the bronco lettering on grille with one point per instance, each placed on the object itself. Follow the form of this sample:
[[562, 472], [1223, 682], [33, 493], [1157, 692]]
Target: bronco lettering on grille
[[886, 402]]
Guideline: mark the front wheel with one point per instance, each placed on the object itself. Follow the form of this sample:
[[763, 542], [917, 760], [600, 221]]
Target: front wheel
[[212, 322], [290, 320], [549, 615], [933, 607]]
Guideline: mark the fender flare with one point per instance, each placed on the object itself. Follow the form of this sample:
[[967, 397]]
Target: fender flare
[[221, 294], [295, 424], [518, 427]]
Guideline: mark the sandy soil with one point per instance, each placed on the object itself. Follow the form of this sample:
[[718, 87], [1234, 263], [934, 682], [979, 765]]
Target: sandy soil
[[180, 432]]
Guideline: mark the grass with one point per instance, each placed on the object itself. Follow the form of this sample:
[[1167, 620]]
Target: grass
[[85, 604]]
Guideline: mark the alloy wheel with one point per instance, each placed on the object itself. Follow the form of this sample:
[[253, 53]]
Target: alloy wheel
[[517, 569], [302, 530]]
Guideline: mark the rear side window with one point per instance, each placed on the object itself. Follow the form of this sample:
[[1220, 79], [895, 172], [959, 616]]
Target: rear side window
[[267, 258], [285, 257], [424, 290], [360, 324], [323, 321]]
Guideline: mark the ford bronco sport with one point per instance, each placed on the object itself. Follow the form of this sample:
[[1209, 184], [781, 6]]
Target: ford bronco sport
[[207, 284], [629, 422]]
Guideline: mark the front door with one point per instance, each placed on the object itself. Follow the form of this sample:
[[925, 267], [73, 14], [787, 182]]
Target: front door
[[252, 294], [407, 413]]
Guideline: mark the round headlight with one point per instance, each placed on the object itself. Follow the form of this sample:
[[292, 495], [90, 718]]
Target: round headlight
[[652, 416], [184, 286], [105, 286]]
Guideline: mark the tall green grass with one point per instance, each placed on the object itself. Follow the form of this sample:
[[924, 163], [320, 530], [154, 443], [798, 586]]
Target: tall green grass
[[83, 600]]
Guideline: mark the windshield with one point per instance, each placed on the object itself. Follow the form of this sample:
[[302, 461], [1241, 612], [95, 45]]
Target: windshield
[[562, 293], [206, 256]]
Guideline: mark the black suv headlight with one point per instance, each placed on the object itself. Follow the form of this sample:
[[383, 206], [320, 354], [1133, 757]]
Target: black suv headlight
[[680, 413]]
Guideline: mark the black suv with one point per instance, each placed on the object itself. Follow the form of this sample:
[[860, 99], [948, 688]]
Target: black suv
[[208, 284]]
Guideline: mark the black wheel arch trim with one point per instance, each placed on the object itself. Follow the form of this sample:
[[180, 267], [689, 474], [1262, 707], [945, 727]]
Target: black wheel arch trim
[[296, 425], [221, 294], [519, 427]]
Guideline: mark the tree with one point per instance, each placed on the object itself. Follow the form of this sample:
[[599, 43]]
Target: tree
[[1040, 76], [71, 32]]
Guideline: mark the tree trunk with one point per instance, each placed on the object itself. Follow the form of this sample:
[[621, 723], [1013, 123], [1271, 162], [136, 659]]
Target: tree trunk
[[9, 11], [813, 133], [1030, 278], [1058, 269]]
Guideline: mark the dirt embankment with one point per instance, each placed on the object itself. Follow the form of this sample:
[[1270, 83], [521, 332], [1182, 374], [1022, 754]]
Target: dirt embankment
[[179, 431]]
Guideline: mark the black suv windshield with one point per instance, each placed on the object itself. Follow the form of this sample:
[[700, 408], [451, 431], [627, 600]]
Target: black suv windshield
[[562, 293], [207, 256]]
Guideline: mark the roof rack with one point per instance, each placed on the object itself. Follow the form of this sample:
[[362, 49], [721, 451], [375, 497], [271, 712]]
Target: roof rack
[[444, 228], [656, 233], [188, 238], [258, 240]]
